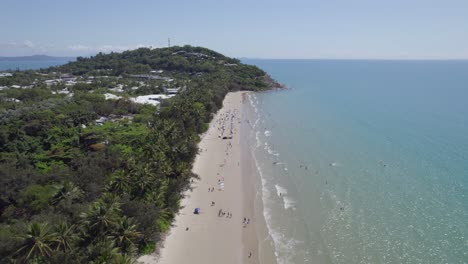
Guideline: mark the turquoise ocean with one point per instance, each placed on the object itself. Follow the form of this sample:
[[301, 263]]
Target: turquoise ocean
[[364, 161]]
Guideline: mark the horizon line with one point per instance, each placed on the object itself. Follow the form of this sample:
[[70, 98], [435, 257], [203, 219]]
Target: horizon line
[[361, 59]]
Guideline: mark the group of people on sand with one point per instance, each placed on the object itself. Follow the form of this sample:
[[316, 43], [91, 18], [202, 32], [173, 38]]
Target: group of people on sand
[[246, 221], [226, 121], [222, 213]]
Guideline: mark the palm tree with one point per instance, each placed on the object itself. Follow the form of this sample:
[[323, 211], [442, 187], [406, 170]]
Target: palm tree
[[66, 236], [100, 218], [164, 219], [37, 242], [157, 195], [68, 193], [103, 251], [119, 183], [142, 180], [124, 259], [126, 235]]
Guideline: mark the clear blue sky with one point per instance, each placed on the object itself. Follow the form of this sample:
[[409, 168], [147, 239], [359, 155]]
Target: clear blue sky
[[390, 29]]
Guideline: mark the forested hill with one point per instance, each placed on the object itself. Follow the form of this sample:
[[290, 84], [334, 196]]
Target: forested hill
[[94, 154], [185, 60]]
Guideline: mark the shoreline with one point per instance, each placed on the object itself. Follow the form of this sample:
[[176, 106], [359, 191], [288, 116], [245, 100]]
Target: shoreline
[[252, 184], [226, 167]]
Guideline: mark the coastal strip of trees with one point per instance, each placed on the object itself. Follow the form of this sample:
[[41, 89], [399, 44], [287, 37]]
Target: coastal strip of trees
[[73, 191]]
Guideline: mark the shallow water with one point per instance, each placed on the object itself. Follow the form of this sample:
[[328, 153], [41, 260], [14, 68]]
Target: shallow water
[[364, 161]]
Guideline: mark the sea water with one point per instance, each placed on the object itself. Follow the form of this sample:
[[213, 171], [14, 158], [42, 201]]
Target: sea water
[[31, 64], [364, 161]]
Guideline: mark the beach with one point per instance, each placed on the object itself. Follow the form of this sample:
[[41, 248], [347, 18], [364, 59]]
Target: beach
[[229, 223]]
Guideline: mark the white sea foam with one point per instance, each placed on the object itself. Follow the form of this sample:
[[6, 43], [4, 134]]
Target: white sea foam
[[257, 138], [252, 100], [270, 151], [256, 123], [283, 246], [288, 202], [280, 190]]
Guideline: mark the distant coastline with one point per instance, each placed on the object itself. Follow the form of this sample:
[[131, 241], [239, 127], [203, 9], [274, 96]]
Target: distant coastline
[[34, 62], [36, 58]]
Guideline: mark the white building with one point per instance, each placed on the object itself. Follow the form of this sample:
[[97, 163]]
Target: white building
[[152, 99], [172, 90], [5, 74], [111, 96], [117, 89]]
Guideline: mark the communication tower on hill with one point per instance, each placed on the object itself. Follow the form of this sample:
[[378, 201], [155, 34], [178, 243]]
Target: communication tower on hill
[[168, 42]]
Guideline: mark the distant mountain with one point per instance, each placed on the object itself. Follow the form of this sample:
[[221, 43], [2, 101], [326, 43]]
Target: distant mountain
[[36, 58]]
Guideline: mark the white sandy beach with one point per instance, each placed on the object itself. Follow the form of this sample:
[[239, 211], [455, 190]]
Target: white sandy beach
[[208, 237]]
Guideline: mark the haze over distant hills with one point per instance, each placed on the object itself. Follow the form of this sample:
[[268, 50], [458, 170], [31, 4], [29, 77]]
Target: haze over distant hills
[[35, 58]]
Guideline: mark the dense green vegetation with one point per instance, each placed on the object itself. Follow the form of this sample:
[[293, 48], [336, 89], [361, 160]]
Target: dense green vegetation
[[75, 191]]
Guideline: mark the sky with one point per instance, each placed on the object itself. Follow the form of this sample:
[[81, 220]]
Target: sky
[[295, 29]]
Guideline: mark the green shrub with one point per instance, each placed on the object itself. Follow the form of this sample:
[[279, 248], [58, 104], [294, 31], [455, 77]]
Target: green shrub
[[37, 197]]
